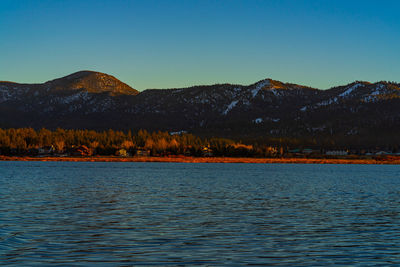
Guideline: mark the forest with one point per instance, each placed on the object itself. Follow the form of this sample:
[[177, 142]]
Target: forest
[[28, 141], [67, 142]]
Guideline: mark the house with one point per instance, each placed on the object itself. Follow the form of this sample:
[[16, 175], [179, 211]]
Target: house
[[46, 150], [142, 152], [336, 153], [270, 150], [382, 153], [122, 153], [33, 151], [354, 152], [207, 152], [307, 151], [81, 151], [178, 133]]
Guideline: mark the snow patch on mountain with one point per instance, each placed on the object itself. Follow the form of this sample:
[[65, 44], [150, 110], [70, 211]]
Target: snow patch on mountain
[[83, 95], [230, 107], [274, 91], [103, 106], [258, 120], [327, 102], [259, 86], [379, 89], [237, 89], [4, 94], [350, 90], [175, 91]]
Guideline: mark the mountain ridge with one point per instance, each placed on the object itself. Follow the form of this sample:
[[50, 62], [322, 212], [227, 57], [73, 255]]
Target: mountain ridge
[[92, 81], [265, 109], [89, 72]]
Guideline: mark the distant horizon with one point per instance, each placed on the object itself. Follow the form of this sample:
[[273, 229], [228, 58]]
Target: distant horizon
[[175, 44], [242, 84]]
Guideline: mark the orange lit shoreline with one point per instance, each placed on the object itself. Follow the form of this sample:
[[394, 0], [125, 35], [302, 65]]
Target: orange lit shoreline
[[383, 160]]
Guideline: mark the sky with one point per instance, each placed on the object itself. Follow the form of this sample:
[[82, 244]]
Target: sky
[[172, 44]]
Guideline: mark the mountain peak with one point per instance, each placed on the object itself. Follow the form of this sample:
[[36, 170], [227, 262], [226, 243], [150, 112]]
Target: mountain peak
[[93, 82], [269, 84]]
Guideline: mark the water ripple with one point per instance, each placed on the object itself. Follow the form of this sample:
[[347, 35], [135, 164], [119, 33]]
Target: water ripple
[[83, 214]]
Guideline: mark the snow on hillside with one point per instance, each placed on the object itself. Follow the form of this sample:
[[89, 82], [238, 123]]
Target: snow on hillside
[[83, 95], [379, 90], [259, 86], [350, 90], [5, 94], [258, 120], [230, 107]]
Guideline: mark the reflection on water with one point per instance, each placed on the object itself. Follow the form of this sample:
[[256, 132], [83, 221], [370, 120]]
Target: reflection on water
[[211, 214]]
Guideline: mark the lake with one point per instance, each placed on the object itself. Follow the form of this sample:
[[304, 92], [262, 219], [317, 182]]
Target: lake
[[84, 213]]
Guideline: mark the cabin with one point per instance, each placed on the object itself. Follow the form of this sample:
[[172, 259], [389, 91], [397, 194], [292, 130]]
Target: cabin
[[33, 151], [336, 153], [122, 153], [81, 151], [383, 153], [271, 150], [307, 151], [142, 153], [178, 133], [46, 150], [207, 152]]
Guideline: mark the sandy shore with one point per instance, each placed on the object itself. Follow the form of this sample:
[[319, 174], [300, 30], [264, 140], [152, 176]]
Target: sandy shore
[[383, 160]]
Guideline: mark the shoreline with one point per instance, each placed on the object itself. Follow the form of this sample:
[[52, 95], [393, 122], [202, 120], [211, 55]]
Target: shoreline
[[205, 160]]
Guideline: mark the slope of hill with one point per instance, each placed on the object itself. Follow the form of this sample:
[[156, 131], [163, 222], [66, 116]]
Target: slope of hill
[[92, 82]]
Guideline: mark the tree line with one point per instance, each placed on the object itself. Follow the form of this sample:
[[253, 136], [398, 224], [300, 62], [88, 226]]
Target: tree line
[[28, 141]]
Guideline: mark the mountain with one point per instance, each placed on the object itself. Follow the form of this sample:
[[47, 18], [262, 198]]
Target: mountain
[[92, 82], [360, 112]]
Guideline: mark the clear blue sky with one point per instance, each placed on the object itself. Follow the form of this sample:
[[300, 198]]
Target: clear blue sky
[[166, 44]]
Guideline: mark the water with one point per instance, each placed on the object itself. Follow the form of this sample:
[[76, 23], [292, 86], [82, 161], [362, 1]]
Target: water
[[198, 214]]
